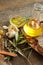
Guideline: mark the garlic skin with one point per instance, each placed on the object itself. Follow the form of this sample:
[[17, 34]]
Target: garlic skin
[[5, 27]]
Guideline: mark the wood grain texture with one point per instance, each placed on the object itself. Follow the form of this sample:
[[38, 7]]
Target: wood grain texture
[[16, 3]]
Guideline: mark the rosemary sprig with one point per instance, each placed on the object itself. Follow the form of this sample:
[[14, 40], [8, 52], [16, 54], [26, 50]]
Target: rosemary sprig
[[20, 52], [26, 49], [23, 41]]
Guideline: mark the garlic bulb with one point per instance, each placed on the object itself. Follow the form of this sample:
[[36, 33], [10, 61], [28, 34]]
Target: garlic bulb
[[12, 31]]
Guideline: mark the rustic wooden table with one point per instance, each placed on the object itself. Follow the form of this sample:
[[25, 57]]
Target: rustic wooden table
[[11, 8]]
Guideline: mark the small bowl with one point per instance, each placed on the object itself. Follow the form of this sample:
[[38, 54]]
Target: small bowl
[[30, 31], [18, 21]]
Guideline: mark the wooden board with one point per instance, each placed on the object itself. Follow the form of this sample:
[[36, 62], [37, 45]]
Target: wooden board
[[23, 9]]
